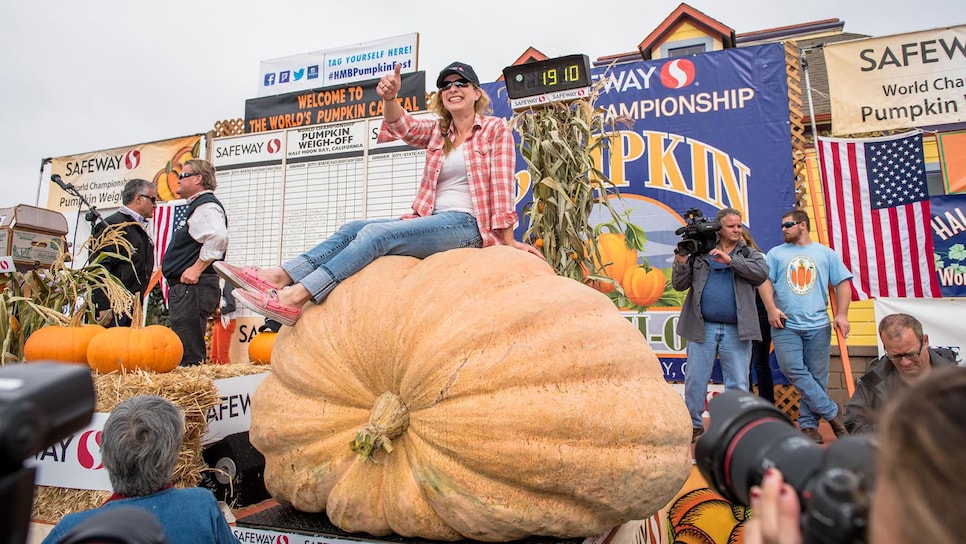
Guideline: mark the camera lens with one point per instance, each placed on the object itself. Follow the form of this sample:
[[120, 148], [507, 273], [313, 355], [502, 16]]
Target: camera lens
[[687, 247], [747, 436]]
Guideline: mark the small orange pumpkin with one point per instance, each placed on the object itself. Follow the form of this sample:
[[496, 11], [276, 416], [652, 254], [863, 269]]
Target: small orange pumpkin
[[63, 344], [643, 287], [155, 348], [260, 348]]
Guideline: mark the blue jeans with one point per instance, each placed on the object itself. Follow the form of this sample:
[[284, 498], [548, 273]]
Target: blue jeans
[[721, 341], [803, 356], [358, 243]]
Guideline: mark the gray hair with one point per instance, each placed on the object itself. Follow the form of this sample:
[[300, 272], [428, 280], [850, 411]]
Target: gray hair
[[724, 212], [132, 188], [141, 442]]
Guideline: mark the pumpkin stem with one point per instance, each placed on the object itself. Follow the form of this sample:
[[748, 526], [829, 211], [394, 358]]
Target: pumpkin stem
[[137, 317], [389, 418]]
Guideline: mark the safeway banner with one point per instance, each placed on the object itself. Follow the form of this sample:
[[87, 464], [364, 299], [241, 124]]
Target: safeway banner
[[902, 81], [74, 461], [100, 175]]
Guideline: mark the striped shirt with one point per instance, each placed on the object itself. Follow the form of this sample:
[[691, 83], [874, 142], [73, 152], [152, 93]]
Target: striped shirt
[[489, 166]]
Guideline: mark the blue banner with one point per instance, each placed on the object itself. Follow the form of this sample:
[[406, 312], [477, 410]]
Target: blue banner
[[707, 131], [949, 242]]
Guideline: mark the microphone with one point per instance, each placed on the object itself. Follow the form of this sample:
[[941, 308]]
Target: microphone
[[65, 186]]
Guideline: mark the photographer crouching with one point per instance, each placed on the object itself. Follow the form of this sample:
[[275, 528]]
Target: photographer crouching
[[719, 317], [900, 486]]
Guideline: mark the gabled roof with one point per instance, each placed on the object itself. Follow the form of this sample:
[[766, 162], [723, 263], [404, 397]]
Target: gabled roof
[[798, 31], [683, 13], [530, 55]]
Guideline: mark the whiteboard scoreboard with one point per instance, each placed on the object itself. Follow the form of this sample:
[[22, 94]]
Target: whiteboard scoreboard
[[286, 191]]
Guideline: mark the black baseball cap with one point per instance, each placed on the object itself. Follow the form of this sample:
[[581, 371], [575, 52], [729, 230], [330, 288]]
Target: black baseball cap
[[460, 69]]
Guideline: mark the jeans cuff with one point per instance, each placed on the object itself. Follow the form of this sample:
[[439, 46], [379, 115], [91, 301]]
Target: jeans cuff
[[298, 268]]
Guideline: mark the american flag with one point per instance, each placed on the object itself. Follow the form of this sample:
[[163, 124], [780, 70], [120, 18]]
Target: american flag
[[167, 217], [878, 214]]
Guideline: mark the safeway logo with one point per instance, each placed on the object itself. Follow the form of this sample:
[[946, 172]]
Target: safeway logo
[[274, 145], [677, 74], [132, 159], [89, 450], [258, 536]]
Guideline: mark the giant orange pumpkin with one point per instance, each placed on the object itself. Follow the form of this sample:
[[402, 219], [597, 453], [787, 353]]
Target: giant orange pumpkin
[[484, 397]]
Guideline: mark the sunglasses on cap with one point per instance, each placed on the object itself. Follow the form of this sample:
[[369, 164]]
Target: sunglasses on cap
[[459, 83], [790, 224]]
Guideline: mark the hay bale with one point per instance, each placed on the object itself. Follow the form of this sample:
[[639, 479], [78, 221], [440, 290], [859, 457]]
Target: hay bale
[[191, 388]]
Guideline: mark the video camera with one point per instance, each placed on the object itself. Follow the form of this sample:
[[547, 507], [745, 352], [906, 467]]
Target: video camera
[[699, 235], [40, 403], [749, 435]]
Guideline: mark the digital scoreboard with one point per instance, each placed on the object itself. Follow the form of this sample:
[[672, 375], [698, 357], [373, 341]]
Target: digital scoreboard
[[551, 80]]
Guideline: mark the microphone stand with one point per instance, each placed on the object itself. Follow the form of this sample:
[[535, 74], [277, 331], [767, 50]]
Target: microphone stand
[[92, 215]]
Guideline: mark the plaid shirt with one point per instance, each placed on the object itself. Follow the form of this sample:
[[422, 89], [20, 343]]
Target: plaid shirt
[[489, 169]]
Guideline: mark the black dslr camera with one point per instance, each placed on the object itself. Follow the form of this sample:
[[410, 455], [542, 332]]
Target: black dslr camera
[[40, 403], [749, 435], [699, 235]]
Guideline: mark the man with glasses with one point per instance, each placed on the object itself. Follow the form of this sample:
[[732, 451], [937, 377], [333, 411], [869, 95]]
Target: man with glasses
[[138, 199], [796, 297], [198, 241], [908, 358]]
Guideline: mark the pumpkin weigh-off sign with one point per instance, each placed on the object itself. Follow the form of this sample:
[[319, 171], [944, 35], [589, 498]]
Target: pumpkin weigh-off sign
[[515, 402]]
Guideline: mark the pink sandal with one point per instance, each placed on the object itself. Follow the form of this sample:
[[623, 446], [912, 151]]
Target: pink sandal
[[267, 305]]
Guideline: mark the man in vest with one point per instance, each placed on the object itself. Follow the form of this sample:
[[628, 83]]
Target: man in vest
[[138, 198], [198, 241], [908, 358]]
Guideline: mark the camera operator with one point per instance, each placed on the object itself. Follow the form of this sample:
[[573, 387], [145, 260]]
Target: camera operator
[[908, 358], [919, 476], [719, 317]]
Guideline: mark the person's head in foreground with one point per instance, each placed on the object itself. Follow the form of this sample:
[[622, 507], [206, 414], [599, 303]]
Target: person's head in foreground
[[141, 442]]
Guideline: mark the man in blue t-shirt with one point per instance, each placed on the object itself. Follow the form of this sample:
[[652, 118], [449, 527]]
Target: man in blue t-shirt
[[800, 272], [719, 316]]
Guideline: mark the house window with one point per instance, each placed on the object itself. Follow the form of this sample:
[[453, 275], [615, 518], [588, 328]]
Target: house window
[[685, 51], [682, 48]]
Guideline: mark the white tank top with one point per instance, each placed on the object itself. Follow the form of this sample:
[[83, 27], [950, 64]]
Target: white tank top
[[453, 187]]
